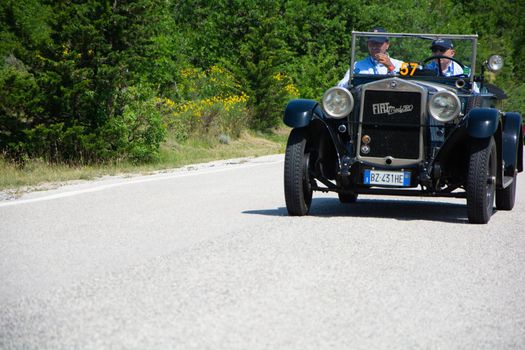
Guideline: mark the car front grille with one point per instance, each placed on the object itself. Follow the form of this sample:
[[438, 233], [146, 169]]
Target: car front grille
[[391, 118]]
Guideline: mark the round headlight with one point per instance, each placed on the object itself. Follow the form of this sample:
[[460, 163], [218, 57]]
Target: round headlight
[[338, 102], [495, 63], [444, 106]]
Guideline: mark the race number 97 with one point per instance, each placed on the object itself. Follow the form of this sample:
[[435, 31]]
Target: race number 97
[[408, 68]]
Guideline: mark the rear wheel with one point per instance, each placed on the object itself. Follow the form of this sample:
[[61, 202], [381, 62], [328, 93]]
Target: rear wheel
[[347, 197], [297, 181], [481, 180], [506, 197]]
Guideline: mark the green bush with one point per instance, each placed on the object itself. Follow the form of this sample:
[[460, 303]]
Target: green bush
[[516, 100], [19, 99], [207, 117], [76, 77], [139, 130], [209, 103], [59, 143], [135, 134]]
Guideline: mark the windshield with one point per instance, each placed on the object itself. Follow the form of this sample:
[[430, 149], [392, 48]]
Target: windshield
[[411, 54]]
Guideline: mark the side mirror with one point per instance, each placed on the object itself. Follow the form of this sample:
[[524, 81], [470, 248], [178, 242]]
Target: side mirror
[[494, 63]]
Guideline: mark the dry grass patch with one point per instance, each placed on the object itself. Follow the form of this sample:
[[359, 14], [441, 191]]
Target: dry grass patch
[[40, 175]]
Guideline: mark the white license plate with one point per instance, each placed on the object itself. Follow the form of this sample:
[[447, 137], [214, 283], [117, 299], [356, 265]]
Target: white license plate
[[387, 178]]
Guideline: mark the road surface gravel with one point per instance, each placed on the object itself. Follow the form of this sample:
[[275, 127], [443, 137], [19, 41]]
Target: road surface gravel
[[205, 257]]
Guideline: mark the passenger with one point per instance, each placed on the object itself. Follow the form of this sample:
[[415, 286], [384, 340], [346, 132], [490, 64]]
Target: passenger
[[449, 68], [378, 61]]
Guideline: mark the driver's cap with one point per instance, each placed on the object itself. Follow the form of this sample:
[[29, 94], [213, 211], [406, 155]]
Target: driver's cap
[[378, 39], [443, 43]]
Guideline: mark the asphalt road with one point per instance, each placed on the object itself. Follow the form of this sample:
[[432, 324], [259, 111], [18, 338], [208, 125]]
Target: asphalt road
[[206, 258]]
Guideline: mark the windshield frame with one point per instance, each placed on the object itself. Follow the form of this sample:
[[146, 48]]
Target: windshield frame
[[472, 37]]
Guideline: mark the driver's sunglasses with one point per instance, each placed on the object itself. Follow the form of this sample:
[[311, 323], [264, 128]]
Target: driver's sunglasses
[[439, 49]]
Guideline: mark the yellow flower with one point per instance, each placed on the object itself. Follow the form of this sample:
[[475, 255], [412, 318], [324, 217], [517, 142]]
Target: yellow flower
[[291, 90], [65, 50], [216, 69], [189, 72], [279, 76], [169, 102]]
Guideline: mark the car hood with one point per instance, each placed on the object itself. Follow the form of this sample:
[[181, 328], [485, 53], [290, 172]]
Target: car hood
[[427, 85]]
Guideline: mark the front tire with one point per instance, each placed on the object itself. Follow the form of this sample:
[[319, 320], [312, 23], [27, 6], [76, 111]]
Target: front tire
[[481, 180], [297, 181]]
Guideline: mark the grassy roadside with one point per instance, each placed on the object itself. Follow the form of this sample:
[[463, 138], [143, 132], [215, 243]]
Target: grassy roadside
[[37, 174]]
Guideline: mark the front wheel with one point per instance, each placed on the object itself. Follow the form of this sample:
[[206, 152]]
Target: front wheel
[[481, 180], [297, 181]]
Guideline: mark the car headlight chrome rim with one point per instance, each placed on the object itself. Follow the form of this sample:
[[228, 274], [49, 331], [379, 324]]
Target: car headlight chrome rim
[[495, 63], [338, 102], [444, 106]]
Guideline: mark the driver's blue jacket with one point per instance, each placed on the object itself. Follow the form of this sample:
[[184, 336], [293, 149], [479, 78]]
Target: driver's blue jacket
[[370, 66], [453, 69]]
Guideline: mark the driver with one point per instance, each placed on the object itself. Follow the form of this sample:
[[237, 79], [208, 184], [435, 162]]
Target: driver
[[378, 61], [444, 47]]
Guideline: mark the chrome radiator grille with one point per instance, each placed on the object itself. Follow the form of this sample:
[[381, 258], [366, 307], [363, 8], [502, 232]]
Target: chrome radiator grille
[[391, 118]]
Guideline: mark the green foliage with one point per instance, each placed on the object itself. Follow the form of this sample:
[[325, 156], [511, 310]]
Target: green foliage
[[134, 135], [263, 55], [207, 103], [24, 24], [95, 81], [516, 102], [59, 143], [139, 130], [248, 37], [197, 83], [83, 68], [19, 97]]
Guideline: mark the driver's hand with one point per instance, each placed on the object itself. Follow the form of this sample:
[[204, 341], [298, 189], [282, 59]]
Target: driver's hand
[[383, 59]]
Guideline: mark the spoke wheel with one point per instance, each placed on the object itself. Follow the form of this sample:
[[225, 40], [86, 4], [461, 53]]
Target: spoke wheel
[[297, 181], [481, 180]]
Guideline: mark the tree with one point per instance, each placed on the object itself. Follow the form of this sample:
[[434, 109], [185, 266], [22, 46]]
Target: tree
[[81, 72]]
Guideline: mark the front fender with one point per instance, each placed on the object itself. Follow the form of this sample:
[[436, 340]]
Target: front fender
[[512, 150], [482, 122], [299, 113]]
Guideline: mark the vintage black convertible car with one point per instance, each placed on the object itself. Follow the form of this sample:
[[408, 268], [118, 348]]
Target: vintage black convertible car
[[416, 132]]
